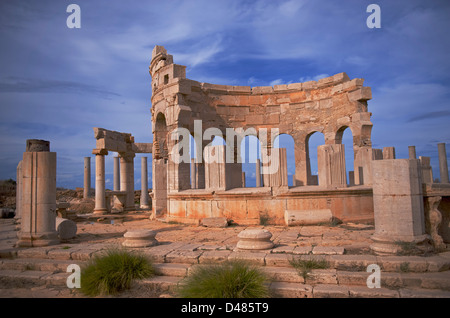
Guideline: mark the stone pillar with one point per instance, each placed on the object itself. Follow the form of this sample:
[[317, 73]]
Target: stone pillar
[[116, 177], [127, 179], [215, 167], [412, 152], [38, 224], [100, 195], [443, 167], [87, 177], [193, 174], [258, 173], [144, 184], [159, 187], [427, 171], [275, 171], [351, 178], [19, 185], [363, 164], [220, 175], [331, 165], [388, 153], [398, 205]]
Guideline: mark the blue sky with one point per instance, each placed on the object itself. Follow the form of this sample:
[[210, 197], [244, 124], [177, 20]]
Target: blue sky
[[58, 83]]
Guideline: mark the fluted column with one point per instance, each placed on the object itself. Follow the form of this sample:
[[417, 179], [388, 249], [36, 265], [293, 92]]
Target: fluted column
[[116, 177], [100, 198], [443, 166], [38, 224], [127, 178], [87, 177], [144, 184]]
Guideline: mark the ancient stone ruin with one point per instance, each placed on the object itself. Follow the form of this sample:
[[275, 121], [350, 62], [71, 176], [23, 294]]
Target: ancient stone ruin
[[400, 197]]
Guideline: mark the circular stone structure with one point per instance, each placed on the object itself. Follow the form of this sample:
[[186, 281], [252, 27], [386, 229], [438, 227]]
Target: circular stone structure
[[139, 238], [254, 239]]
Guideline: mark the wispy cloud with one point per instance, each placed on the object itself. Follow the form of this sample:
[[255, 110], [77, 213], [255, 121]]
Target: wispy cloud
[[13, 84], [429, 115]]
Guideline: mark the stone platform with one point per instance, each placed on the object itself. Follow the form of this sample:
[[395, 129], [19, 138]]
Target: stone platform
[[25, 272]]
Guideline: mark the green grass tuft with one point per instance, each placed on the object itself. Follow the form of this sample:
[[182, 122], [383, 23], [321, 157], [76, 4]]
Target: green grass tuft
[[304, 266], [231, 279], [114, 272]]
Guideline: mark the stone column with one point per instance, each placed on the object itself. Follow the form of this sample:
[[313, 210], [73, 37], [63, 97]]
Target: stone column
[[100, 195], [87, 177], [275, 171], [116, 182], [443, 167], [258, 173], [127, 179], [19, 191], [427, 171], [144, 184], [38, 224], [351, 178], [159, 187], [388, 153], [412, 152], [398, 205], [363, 164], [193, 174], [331, 165]]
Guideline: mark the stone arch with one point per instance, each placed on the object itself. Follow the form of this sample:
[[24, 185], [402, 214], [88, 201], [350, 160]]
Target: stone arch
[[250, 153], [344, 135], [311, 155]]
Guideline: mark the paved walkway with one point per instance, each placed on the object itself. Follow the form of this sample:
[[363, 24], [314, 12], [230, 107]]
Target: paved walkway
[[346, 247]]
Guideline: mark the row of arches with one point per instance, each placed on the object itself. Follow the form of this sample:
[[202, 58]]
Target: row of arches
[[250, 151]]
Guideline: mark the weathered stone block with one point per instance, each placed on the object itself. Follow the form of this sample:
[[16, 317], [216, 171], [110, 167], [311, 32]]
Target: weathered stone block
[[214, 222], [307, 217]]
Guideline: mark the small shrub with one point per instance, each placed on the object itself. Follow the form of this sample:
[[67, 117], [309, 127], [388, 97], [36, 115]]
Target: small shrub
[[114, 272], [264, 218], [231, 279], [304, 266], [407, 248]]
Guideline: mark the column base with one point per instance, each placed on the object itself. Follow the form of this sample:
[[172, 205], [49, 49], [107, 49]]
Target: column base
[[100, 211], [401, 245], [145, 206], [37, 239]]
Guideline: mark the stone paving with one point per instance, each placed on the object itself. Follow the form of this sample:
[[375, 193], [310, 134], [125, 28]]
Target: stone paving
[[344, 246]]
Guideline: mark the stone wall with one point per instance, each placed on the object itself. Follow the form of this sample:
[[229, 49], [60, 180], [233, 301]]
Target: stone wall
[[329, 105]]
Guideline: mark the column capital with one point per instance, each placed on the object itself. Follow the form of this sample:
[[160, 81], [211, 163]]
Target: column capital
[[127, 155], [101, 152]]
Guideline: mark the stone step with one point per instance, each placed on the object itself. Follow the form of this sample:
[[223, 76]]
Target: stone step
[[300, 290], [280, 288], [36, 264], [428, 280], [29, 278], [190, 254]]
